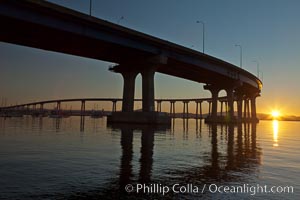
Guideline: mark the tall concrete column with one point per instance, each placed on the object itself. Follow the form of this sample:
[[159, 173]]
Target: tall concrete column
[[197, 109], [158, 106], [82, 112], [221, 108], [128, 90], [148, 90], [226, 107], [183, 112], [229, 92], [174, 112], [114, 106], [240, 107], [58, 108], [172, 108], [185, 109], [214, 95], [201, 110], [245, 107], [248, 109], [253, 107], [41, 107]]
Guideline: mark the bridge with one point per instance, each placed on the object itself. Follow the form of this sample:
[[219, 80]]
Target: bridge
[[38, 108], [44, 25]]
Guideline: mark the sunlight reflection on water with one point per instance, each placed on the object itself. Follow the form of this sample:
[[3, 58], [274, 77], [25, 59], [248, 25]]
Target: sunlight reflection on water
[[275, 133]]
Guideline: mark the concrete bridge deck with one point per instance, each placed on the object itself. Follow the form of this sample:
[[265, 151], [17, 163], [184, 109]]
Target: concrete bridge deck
[[48, 26]]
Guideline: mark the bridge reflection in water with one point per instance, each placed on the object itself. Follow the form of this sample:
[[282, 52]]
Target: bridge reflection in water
[[233, 157], [191, 152]]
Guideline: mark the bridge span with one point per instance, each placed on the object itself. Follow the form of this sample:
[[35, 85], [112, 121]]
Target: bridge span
[[38, 107], [44, 25]]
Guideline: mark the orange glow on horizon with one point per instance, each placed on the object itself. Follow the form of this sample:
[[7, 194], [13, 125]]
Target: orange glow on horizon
[[275, 114]]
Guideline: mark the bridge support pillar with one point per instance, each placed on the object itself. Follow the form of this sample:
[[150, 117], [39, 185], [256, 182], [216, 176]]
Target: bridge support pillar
[[185, 109], [253, 108], [114, 106], [226, 108], [148, 89], [41, 108], [82, 111], [148, 114], [221, 113], [128, 90], [247, 109], [58, 110], [158, 109], [198, 105], [240, 107], [230, 115], [214, 109], [201, 116], [172, 108]]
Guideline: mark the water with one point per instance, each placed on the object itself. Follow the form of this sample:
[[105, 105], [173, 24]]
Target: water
[[43, 158]]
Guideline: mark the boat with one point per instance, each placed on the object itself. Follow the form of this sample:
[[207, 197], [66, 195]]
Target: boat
[[54, 114], [11, 114], [97, 114]]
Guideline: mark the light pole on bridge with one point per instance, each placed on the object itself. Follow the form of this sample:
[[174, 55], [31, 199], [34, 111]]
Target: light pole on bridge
[[203, 33], [90, 7], [241, 55], [257, 67], [121, 18], [262, 76]]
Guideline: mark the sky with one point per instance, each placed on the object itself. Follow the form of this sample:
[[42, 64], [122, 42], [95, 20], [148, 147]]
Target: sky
[[267, 30]]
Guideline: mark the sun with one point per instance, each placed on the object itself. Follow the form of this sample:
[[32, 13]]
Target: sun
[[275, 114]]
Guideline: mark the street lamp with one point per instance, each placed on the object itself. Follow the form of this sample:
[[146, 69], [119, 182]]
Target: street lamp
[[257, 67], [121, 18], [203, 33], [241, 55], [90, 7], [262, 76]]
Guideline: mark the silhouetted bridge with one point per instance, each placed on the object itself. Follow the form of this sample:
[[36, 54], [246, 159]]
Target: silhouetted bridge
[[39, 107], [44, 25]]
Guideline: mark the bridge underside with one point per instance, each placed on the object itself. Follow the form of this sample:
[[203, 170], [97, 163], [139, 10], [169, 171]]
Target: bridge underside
[[56, 32], [44, 37]]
